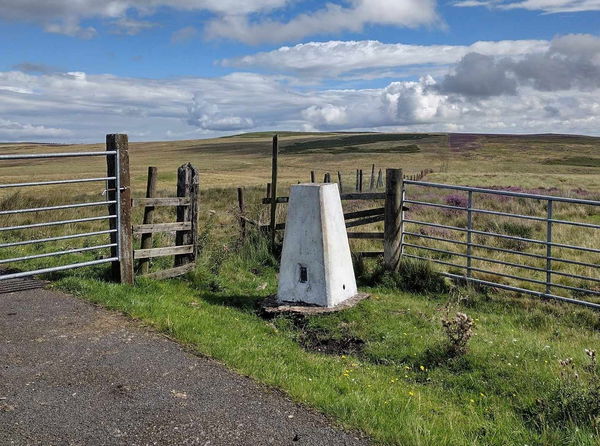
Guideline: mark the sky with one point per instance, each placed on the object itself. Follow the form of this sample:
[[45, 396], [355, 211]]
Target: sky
[[75, 70]]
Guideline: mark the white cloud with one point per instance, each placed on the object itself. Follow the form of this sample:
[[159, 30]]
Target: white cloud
[[547, 6], [332, 18], [250, 21], [208, 116], [18, 131], [131, 27], [572, 62], [65, 16], [332, 58], [184, 34]]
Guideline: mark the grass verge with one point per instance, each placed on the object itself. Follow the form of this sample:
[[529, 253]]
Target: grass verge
[[379, 367]]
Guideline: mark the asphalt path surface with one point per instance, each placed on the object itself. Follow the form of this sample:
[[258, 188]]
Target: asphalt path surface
[[75, 374]]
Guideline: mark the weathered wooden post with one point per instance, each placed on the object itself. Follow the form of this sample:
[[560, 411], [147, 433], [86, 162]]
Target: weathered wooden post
[[356, 188], [380, 179], [312, 176], [340, 182], [188, 186], [327, 178], [274, 189], [119, 191], [268, 190], [242, 209], [360, 180], [392, 233], [372, 182], [144, 264]]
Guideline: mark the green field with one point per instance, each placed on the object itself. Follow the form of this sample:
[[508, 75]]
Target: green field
[[383, 367]]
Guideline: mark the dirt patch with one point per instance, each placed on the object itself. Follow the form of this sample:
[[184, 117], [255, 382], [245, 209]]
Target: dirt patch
[[323, 342]]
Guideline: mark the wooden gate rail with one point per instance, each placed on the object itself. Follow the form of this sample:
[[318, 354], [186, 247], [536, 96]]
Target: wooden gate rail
[[162, 227], [162, 252], [176, 201]]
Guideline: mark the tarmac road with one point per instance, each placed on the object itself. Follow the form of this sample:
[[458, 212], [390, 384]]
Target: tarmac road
[[75, 374]]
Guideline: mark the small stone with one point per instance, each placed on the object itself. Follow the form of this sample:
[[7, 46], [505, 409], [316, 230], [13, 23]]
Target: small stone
[[180, 395]]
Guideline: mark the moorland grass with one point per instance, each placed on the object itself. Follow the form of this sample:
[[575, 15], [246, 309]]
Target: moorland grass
[[583, 161]]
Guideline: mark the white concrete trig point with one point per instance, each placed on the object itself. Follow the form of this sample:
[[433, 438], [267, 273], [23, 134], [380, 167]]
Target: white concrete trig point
[[316, 264]]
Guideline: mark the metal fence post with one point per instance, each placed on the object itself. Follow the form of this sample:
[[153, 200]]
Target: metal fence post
[[392, 232], [469, 234], [119, 190], [549, 248]]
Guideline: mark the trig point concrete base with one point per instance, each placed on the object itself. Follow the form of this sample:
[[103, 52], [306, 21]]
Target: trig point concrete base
[[316, 265]]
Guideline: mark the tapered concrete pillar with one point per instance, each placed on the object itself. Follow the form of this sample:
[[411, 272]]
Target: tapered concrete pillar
[[316, 265]]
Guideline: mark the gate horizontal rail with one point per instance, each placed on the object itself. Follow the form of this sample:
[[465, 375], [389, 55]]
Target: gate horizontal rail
[[58, 207], [26, 156], [549, 244], [55, 239], [53, 182], [57, 268], [502, 192], [57, 253], [56, 223]]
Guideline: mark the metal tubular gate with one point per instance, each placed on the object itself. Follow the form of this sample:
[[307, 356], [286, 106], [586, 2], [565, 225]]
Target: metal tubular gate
[[113, 231], [549, 258]]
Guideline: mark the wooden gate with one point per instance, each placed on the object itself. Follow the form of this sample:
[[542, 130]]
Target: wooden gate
[[185, 228]]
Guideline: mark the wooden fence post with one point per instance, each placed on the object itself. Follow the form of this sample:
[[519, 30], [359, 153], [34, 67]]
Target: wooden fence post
[[356, 188], [360, 180], [340, 182], [144, 264], [188, 186], [327, 178], [392, 234], [118, 165], [372, 182], [268, 190], [274, 189], [242, 208], [380, 179], [312, 176]]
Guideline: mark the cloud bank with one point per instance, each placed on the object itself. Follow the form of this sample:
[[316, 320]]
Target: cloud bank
[[250, 21], [333, 58], [332, 18], [516, 87], [571, 62]]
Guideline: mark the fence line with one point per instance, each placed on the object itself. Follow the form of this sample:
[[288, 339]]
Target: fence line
[[400, 240]]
